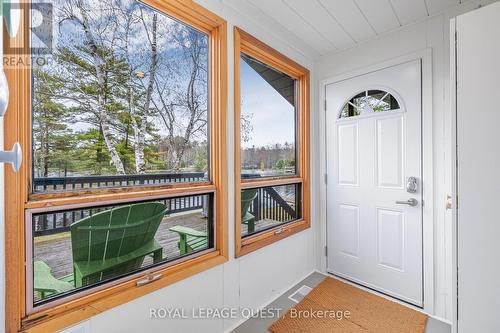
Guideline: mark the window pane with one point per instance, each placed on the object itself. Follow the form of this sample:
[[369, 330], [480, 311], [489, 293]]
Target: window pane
[[268, 121], [121, 100], [266, 207], [81, 248], [367, 102]]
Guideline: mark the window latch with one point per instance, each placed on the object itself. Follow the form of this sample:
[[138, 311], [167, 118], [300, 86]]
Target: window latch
[[148, 279], [279, 231]]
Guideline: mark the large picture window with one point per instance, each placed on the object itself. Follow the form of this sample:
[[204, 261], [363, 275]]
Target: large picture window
[[122, 189], [271, 134], [122, 100]]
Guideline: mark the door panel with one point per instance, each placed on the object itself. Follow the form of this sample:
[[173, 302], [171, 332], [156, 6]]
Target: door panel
[[390, 238], [348, 226], [389, 147], [348, 154], [372, 240]]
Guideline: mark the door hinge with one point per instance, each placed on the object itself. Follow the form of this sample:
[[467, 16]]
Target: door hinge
[[326, 178], [325, 104], [326, 251]]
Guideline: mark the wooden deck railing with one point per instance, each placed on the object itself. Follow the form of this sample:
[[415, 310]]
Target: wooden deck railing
[[82, 182], [268, 204]]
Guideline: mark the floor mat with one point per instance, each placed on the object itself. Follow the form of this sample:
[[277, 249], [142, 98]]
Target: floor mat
[[334, 306]]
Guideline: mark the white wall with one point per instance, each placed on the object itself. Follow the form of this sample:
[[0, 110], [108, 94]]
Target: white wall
[[250, 281], [432, 33]]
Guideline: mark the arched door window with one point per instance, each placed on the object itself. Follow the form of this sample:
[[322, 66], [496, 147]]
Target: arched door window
[[369, 101]]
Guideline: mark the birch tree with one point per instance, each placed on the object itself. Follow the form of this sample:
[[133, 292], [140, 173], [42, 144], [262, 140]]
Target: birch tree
[[185, 111], [139, 121], [96, 51]]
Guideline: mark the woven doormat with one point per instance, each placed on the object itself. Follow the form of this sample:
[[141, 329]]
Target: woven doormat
[[334, 306]]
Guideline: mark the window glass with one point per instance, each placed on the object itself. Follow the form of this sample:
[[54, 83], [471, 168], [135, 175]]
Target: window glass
[[268, 121], [267, 207], [122, 99], [80, 248], [369, 101]]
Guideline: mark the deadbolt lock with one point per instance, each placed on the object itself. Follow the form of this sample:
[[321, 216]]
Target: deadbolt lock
[[411, 185]]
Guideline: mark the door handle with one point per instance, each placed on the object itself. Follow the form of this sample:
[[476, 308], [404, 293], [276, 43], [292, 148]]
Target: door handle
[[410, 202]]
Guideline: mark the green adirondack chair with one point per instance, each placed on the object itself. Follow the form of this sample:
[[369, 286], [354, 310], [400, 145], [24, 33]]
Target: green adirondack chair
[[247, 196], [192, 240], [45, 283], [106, 245]]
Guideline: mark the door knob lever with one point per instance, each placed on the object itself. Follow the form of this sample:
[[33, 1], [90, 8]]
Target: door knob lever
[[14, 157], [410, 202]]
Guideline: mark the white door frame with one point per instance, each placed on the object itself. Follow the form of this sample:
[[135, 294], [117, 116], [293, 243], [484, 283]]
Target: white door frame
[[454, 193], [427, 164]]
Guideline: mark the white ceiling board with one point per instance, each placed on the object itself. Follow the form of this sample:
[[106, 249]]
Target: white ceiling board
[[350, 17], [379, 13], [284, 15], [268, 24], [317, 28], [409, 11], [436, 6], [314, 13]]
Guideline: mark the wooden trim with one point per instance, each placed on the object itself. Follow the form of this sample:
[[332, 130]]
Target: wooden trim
[[218, 133], [96, 192], [16, 184], [48, 206], [266, 54], [270, 236], [189, 12], [271, 182], [120, 195], [17, 128], [244, 42], [237, 140]]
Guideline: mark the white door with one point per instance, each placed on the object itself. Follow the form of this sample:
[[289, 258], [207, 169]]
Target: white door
[[374, 190], [478, 181]]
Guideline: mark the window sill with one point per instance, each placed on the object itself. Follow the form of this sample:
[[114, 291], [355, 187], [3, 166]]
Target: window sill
[[271, 236], [69, 313]]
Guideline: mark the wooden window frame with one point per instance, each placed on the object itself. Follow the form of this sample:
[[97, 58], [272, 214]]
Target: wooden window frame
[[17, 128], [251, 46]]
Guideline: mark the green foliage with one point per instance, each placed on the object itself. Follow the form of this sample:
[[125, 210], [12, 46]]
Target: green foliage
[[51, 132], [201, 159], [93, 157], [283, 164]]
